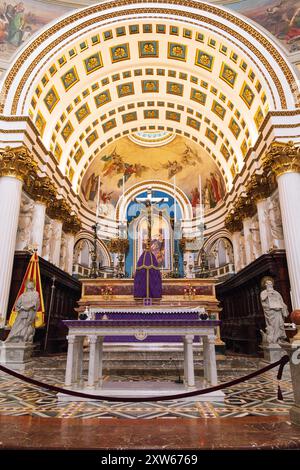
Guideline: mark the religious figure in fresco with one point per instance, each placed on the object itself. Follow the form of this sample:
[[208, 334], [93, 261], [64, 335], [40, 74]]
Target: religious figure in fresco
[[213, 190]]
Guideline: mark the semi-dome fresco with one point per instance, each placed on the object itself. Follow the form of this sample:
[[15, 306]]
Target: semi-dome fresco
[[125, 162]]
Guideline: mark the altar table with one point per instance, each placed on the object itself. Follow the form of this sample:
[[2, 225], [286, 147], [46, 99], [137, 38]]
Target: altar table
[[96, 330]]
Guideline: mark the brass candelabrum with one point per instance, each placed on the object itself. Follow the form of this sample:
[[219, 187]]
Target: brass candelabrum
[[189, 293], [107, 293]]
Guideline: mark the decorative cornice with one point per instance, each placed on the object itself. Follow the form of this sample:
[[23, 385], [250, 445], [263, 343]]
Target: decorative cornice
[[72, 224], [233, 223], [42, 190], [282, 158], [17, 162]]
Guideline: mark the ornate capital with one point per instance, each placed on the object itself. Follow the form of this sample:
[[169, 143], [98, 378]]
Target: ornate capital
[[233, 223], [244, 208], [17, 162], [59, 210], [259, 187], [72, 224], [42, 190], [281, 158]]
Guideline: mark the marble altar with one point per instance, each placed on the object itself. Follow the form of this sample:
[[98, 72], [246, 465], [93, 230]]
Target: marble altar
[[181, 326]]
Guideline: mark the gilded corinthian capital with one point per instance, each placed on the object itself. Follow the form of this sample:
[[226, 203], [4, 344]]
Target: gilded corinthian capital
[[72, 224], [42, 190], [281, 158], [17, 162], [233, 223], [259, 187], [244, 207], [59, 210]]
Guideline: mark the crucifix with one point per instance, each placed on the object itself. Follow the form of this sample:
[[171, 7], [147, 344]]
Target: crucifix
[[147, 202]]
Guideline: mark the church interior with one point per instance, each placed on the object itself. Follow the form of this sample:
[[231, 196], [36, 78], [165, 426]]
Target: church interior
[[149, 224]]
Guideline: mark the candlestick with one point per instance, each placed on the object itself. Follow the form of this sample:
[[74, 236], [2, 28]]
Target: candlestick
[[98, 197], [175, 215]]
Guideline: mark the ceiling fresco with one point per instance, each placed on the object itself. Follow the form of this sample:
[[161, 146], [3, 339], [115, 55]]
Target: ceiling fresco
[[128, 162], [20, 20]]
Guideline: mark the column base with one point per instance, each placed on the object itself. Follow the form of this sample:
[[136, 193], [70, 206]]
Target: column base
[[272, 352], [143, 389], [295, 415], [16, 356]]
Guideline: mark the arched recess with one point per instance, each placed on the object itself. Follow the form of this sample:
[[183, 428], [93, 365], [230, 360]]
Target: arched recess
[[216, 250], [202, 50], [86, 236]]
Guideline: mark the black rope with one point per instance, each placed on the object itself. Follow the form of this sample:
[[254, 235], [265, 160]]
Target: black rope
[[284, 360]]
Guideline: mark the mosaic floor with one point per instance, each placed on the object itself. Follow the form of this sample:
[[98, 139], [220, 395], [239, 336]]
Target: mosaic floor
[[257, 397]]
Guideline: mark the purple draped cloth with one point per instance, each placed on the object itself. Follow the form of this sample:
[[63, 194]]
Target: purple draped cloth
[[147, 278]]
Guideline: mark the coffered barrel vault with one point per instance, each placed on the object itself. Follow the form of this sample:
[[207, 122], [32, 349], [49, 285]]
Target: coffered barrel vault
[[125, 67]]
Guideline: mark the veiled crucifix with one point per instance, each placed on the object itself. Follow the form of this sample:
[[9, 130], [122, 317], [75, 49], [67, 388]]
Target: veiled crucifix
[[148, 202]]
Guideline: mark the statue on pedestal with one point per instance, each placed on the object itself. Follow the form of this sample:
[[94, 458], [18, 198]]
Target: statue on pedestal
[[27, 306], [275, 310]]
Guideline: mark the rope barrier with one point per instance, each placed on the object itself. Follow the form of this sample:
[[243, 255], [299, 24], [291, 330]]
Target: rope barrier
[[281, 363]]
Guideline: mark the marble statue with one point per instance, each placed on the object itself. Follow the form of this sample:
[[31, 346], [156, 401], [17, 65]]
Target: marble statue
[[256, 243], [63, 253], [26, 306], [242, 260], [275, 310], [47, 240], [274, 215], [24, 226]]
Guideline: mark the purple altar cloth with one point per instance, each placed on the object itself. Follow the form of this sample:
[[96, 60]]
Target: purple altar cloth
[[147, 279]]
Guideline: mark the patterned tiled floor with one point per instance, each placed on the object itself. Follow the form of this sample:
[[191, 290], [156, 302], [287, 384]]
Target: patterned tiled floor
[[257, 397]]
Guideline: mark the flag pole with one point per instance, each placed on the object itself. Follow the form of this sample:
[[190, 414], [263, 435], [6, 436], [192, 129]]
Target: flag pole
[[49, 312]]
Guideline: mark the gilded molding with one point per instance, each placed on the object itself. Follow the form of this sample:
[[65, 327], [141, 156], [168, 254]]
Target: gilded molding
[[259, 187], [17, 162], [281, 158], [244, 208], [72, 224], [42, 190], [59, 210], [118, 245], [225, 15], [233, 223]]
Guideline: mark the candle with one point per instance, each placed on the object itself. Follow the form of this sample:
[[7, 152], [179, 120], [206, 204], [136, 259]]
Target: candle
[[98, 198], [175, 215], [123, 186]]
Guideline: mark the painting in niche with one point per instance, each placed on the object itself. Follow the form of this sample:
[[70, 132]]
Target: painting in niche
[[160, 241], [128, 162], [19, 20]]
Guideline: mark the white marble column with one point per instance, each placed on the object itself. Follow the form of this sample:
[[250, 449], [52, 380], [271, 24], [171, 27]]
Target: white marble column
[[209, 358], [263, 224], [190, 361], [70, 367], [289, 196], [10, 199], [37, 226], [56, 241], [247, 238], [70, 241], [94, 362]]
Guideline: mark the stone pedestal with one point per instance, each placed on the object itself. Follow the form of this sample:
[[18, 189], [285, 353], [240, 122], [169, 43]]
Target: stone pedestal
[[272, 352], [293, 352], [16, 356]]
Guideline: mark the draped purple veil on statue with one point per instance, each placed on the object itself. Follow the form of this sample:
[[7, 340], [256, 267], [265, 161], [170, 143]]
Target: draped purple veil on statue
[[147, 278]]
